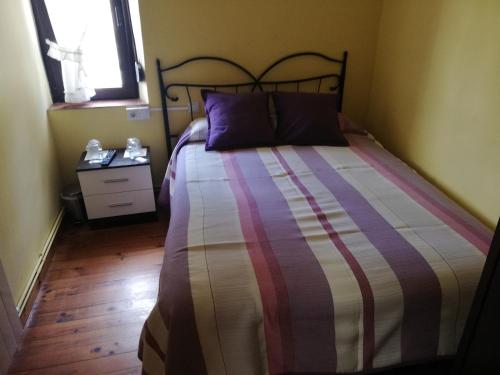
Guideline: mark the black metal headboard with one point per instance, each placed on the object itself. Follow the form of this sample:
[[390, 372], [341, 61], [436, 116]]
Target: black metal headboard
[[250, 81]]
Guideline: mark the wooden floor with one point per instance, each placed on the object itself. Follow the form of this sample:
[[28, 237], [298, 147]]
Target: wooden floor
[[99, 288]]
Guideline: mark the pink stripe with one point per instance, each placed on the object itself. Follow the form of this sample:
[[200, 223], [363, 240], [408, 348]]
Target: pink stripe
[[272, 286], [424, 200], [366, 291]]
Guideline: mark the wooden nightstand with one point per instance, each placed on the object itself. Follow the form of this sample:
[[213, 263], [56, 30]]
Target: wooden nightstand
[[124, 187]]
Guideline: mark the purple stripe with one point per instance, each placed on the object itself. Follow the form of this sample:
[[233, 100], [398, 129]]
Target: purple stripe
[[311, 304], [419, 283], [364, 284], [164, 195], [184, 355]]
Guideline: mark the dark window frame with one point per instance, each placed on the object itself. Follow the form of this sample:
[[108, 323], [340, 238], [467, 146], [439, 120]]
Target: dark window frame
[[125, 44]]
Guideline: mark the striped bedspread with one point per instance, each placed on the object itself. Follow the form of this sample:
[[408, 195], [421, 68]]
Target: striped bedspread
[[302, 260]]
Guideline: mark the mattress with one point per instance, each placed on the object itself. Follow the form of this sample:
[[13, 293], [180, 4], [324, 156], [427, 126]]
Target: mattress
[[302, 260]]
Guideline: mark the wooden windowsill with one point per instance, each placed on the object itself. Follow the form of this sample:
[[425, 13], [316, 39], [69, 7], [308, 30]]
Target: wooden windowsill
[[97, 104]]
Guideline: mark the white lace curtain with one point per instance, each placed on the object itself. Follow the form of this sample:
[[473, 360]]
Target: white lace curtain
[[75, 80], [70, 20]]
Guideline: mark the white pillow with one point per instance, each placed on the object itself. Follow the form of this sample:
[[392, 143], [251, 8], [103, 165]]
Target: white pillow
[[198, 130]]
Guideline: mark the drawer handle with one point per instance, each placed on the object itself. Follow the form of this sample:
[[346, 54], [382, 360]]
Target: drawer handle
[[115, 180], [121, 204]]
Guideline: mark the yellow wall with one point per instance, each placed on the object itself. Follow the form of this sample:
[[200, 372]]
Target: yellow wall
[[435, 98], [253, 32], [29, 175]]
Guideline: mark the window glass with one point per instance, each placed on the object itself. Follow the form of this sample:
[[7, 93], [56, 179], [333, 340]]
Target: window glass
[[89, 23]]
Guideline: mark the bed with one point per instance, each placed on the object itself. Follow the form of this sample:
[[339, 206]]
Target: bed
[[306, 259]]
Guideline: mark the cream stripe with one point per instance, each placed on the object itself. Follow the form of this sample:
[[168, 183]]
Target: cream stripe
[[236, 301], [348, 310], [199, 278], [152, 364], [157, 328], [387, 293], [400, 211]]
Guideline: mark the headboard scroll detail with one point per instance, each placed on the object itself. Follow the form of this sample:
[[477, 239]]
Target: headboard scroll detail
[[250, 81]]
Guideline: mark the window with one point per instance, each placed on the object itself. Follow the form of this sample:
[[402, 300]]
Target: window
[[103, 31]]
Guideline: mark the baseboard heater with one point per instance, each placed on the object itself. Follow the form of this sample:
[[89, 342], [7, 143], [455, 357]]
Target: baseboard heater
[[21, 305]]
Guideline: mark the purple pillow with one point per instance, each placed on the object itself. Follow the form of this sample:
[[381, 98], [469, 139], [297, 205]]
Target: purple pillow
[[308, 119], [237, 121]]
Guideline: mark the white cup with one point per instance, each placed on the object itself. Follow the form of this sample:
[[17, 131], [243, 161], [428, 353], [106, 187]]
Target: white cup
[[94, 150], [134, 147]]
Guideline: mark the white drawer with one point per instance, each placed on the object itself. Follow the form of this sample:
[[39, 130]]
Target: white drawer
[[116, 204], [115, 180]]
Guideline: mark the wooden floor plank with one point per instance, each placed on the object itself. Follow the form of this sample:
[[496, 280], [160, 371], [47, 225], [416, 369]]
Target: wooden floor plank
[[104, 365], [99, 289], [112, 257], [128, 266], [49, 358], [84, 325], [82, 338], [81, 296], [109, 274], [58, 316], [114, 261], [96, 281], [107, 294]]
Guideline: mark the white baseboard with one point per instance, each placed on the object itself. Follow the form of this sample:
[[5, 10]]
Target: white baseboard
[[41, 260]]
